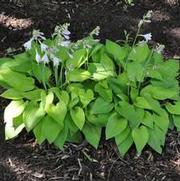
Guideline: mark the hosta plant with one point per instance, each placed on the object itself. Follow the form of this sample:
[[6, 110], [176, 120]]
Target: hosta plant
[[65, 92]]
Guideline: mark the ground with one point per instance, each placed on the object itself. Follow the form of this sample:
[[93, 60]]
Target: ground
[[22, 159]]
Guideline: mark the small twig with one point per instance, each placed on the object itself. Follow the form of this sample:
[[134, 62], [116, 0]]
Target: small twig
[[80, 165]]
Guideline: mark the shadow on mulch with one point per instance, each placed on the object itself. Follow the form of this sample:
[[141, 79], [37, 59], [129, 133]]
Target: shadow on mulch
[[22, 159]]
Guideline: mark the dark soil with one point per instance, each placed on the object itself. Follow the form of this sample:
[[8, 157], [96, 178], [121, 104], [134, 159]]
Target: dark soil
[[21, 159]]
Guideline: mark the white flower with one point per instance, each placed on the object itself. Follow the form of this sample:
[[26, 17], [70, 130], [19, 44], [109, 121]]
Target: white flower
[[28, 44], [147, 37], [65, 43], [45, 59], [44, 47], [55, 61], [66, 32], [38, 35], [38, 57]]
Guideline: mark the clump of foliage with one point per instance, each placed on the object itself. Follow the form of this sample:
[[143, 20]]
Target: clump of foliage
[[64, 91]]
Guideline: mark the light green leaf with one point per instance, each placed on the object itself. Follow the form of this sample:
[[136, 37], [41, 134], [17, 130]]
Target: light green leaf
[[176, 120], [12, 94], [173, 109], [78, 116], [38, 132], [78, 75], [79, 58], [32, 114], [100, 106], [58, 113], [41, 72], [104, 91], [16, 80], [116, 124], [85, 96], [34, 95], [139, 53], [141, 102], [119, 53], [50, 129], [125, 145], [140, 136], [148, 120], [135, 71], [134, 116], [61, 138], [92, 134], [162, 121], [122, 136], [156, 139]]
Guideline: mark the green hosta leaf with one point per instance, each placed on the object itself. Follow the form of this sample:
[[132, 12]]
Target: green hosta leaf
[[78, 116], [176, 120], [104, 91], [116, 124], [70, 124], [85, 96], [100, 106], [20, 63], [141, 102], [78, 75], [34, 95], [161, 121], [125, 145], [133, 93], [61, 138], [92, 134], [61, 95], [168, 69], [135, 71], [119, 53], [41, 72], [103, 69], [32, 114], [140, 136], [156, 139], [122, 136], [148, 120], [12, 94], [96, 49], [154, 74], [16, 80], [154, 104], [140, 53], [58, 113], [99, 120], [173, 109], [50, 129], [134, 116], [79, 58], [38, 132], [119, 85], [160, 93]]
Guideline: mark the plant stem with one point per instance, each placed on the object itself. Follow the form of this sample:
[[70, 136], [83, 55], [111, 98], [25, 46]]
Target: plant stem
[[56, 75], [43, 77], [144, 72], [61, 75]]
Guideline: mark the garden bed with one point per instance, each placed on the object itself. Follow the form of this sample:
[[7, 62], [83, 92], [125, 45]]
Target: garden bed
[[22, 159]]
